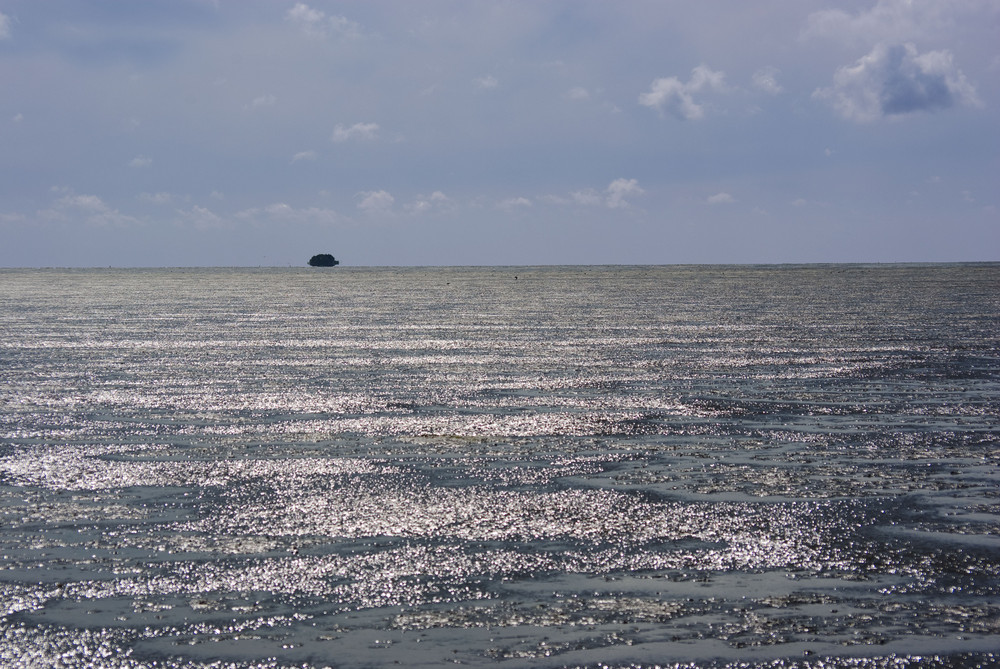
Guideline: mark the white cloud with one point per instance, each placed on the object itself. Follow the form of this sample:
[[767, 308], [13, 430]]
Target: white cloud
[[377, 201], [4, 26], [203, 218], [889, 21], [487, 82], [671, 95], [435, 201], [720, 198], [513, 203], [140, 161], [578, 93], [588, 197], [705, 77], [89, 208], [90, 203], [896, 80], [619, 189], [356, 131], [280, 210], [344, 26], [316, 23], [613, 197], [284, 212], [304, 155], [303, 14], [766, 80]]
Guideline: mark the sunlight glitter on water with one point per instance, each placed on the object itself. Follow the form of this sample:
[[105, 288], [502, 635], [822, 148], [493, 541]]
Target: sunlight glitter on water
[[264, 468]]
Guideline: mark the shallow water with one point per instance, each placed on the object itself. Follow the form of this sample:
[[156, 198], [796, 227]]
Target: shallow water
[[589, 466]]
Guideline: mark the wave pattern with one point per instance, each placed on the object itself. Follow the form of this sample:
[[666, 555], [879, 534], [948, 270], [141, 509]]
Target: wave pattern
[[579, 466]]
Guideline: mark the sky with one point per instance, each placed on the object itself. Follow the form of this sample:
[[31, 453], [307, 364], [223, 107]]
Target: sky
[[503, 132]]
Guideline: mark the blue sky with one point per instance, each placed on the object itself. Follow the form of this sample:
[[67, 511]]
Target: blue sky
[[409, 132]]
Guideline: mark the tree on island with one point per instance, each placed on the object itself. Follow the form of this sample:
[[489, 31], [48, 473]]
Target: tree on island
[[323, 260]]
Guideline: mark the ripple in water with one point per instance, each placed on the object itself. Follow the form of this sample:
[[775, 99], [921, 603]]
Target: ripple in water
[[583, 467]]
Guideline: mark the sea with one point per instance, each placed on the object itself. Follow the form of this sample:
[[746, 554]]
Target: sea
[[728, 467]]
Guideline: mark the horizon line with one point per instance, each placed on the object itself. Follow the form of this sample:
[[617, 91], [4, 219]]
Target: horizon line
[[494, 265]]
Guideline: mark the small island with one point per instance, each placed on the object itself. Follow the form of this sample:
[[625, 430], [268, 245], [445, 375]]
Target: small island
[[323, 260]]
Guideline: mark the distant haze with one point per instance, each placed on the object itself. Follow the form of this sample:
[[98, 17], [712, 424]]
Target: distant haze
[[401, 132]]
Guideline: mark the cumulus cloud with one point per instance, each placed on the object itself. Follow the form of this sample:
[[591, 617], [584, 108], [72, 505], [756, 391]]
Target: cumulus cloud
[[4, 26], [721, 198], [672, 96], [891, 21], [202, 218], [140, 161], [90, 209], [435, 201], [614, 196], [280, 210], [284, 212], [356, 131], [619, 189], [376, 201], [304, 155], [895, 80], [513, 203], [588, 197], [578, 93], [766, 79], [303, 14], [316, 23]]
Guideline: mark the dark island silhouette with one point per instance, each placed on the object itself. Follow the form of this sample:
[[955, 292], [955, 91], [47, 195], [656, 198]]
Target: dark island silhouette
[[323, 260]]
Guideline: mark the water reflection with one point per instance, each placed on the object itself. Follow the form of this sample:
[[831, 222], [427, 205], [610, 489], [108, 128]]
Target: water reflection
[[753, 467]]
